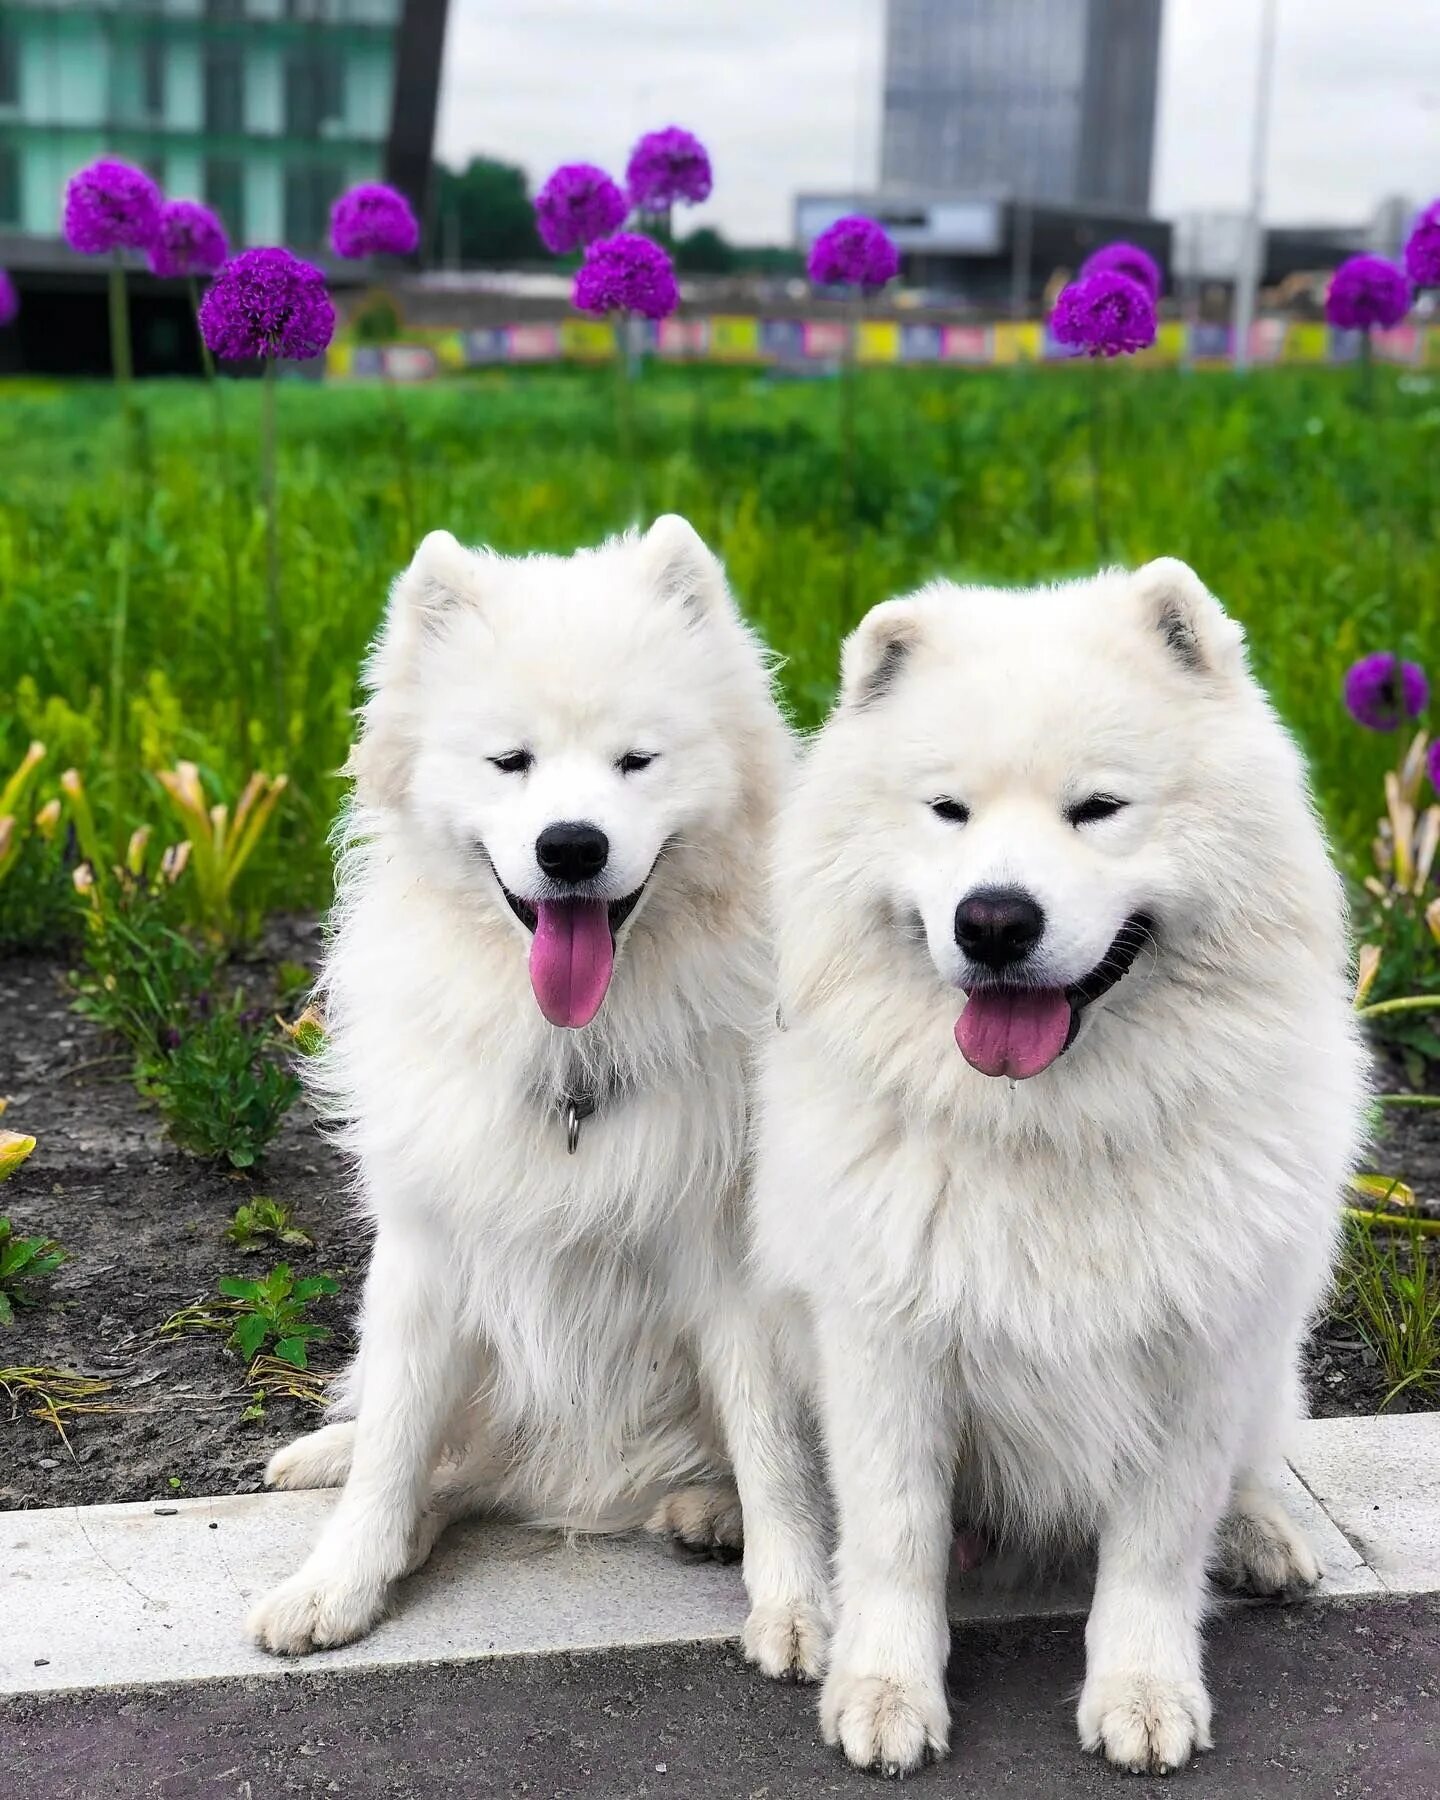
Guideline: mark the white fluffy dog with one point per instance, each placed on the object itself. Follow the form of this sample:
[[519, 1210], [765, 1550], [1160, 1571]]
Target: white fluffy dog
[[1073, 1257], [548, 974]]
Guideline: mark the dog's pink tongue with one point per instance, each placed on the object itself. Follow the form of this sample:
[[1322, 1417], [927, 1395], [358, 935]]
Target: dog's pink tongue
[[1013, 1031], [571, 957]]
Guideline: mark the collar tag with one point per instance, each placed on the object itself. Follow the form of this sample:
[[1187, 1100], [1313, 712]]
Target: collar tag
[[578, 1108]]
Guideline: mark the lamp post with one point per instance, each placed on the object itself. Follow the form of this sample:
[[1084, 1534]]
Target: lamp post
[[1253, 250]]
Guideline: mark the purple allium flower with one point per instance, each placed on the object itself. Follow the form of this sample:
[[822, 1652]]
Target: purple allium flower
[[1382, 692], [1126, 259], [578, 205], [191, 241], [9, 299], [626, 273], [1105, 314], [1422, 251], [1367, 291], [111, 206], [853, 252], [373, 220], [267, 303], [1432, 763], [667, 167]]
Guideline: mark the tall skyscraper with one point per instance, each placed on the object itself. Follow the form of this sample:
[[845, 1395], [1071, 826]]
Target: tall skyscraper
[[1045, 100]]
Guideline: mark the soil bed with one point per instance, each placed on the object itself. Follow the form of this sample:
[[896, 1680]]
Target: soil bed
[[144, 1226]]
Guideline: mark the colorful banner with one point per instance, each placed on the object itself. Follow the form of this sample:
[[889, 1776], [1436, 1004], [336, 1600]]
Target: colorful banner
[[921, 343], [1307, 343], [877, 341], [587, 340], [682, 337], [734, 339], [967, 344], [1017, 341], [825, 338], [534, 343], [820, 343]]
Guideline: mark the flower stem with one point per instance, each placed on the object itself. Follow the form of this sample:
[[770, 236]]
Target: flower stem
[[1097, 460], [625, 416], [239, 660], [1367, 372], [849, 479], [273, 622], [1395, 1221], [1410, 1003], [1407, 1099], [122, 366], [402, 453]]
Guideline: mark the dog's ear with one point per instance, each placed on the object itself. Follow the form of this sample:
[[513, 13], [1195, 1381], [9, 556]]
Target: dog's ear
[[441, 573], [874, 653], [679, 565], [442, 576], [1176, 604]]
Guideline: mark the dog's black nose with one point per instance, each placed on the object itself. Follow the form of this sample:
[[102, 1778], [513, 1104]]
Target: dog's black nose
[[571, 852], [997, 926]]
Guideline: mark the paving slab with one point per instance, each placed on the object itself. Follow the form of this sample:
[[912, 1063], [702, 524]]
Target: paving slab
[[93, 1597], [1379, 1481]]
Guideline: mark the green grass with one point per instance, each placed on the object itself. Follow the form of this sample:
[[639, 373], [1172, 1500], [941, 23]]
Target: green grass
[[1312, 518]]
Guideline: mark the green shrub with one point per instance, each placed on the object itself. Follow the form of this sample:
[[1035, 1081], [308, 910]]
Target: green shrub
[[23, 1262]]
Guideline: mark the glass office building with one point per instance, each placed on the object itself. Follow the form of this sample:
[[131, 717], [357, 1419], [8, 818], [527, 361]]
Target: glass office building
[[264, 108], [1043, 100]]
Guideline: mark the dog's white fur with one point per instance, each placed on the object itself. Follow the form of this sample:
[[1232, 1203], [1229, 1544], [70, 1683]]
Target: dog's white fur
[[1084, 1291], [564, 1338]]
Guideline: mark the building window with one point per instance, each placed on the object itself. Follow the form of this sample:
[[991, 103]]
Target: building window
[[9, 185], [9, 65], [309, 189], [314, 90], [225, 89], [225, 191], [152, 78]]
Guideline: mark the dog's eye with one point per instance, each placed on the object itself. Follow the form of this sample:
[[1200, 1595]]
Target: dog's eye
[[634, 760], [514, 762], [1098, 806], [953, 810]]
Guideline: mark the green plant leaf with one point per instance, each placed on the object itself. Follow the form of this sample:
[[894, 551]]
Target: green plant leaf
[[250, 1333], [239, 1287], [292, 1351], [7, 1311]]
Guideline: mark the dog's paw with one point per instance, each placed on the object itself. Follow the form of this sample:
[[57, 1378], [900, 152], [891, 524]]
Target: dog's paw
[[316, 1609], [320, 1459], [786, 1640], [1144, 1723], [884, 1723], [704, 1520], [1260, 1550]]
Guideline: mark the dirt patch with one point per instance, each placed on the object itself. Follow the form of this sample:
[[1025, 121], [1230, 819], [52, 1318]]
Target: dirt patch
[[144, 1227]]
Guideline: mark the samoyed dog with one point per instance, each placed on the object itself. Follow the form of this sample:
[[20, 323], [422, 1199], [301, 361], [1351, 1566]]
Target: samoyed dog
[[548, 974], [1055, 1129]]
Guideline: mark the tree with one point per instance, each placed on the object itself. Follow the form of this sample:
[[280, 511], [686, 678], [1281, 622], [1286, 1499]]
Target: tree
[[704, 252], [483, 214]]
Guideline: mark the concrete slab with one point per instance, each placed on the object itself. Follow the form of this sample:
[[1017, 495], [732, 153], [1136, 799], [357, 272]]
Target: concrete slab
[[1379, 1481], [98, 1595], [92, 1597]]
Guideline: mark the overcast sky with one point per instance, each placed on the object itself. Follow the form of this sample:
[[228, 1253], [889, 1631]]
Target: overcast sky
[[786, 93]]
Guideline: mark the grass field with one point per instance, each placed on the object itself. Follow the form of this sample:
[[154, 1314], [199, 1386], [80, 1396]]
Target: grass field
[[1314, 518]]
